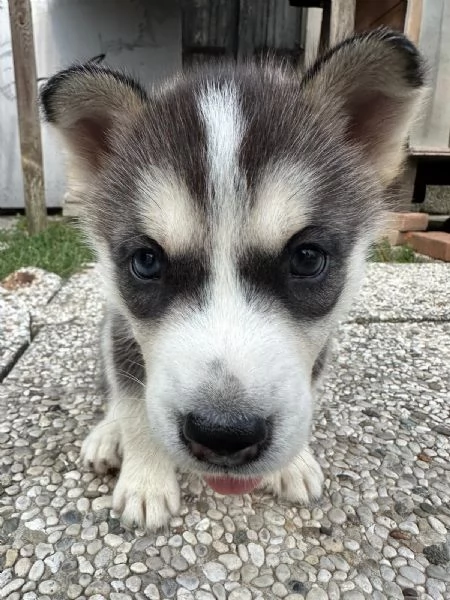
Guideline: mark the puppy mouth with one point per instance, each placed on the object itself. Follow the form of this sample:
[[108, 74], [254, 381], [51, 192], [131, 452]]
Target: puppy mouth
[[229, 480], [226, 460], [227, 485]]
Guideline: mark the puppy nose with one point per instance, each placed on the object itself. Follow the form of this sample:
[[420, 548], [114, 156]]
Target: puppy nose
[[225, 435]]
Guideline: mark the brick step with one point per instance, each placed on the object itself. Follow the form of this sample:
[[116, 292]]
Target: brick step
[[435, 244], [408, 221]]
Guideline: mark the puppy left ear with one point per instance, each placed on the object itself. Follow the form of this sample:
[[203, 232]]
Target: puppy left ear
[[88, 104], [369, 88]]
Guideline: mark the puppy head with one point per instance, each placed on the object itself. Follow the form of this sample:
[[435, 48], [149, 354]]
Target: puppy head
[[231, 211]]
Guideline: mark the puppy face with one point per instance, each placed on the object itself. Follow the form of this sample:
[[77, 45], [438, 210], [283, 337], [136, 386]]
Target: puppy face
[[231, 212]]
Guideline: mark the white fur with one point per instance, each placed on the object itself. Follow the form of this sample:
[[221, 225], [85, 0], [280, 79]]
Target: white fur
[[224, 126], [147, 493], [261, 353], [229, 335], [259, 345]]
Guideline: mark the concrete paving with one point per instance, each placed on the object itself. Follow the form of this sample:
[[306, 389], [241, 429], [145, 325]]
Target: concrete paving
[[382, 436]]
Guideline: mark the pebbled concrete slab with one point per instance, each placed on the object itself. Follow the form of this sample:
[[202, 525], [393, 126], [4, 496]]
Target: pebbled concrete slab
[[23, 296], [404, 292], [382, 436]]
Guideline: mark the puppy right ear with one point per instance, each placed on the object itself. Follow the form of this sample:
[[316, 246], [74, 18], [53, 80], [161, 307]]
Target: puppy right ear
[[86, 104], [370, 87]]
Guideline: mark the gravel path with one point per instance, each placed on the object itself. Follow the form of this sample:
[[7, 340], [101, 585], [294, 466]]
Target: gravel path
[[382, 436]]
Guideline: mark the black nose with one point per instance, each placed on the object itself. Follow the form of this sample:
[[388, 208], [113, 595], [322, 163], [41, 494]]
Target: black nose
[[225, 435]]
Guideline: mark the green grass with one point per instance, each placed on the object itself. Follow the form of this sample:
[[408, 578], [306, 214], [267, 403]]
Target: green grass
[[59, 249], [384, 252]]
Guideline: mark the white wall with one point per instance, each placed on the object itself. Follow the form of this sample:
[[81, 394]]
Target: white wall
[[433, 129], [143, 36]]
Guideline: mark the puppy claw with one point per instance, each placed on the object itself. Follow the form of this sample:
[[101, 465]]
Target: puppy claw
[[146, 498], [101, 450], [300, 482]]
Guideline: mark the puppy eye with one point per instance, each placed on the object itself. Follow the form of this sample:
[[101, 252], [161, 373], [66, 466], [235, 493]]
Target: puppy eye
[[308, 261], [145, 264]]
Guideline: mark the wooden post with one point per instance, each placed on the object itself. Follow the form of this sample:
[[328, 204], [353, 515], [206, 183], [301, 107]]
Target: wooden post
[[338, 22], [342, 23], [413, 19], [28, 113], [324, 40]]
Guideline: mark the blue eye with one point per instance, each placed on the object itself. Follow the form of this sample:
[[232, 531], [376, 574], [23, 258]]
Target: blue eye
[[145, 264], [307, 261]]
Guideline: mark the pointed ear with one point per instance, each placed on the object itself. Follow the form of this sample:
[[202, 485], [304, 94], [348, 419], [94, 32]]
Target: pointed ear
[[369, 88], [86, 103]]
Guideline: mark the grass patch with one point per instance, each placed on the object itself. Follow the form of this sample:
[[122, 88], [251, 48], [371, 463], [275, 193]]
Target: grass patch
[[60, 249], [384, 252]]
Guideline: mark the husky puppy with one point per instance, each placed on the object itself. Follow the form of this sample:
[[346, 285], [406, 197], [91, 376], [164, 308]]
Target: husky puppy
[[231, 210]]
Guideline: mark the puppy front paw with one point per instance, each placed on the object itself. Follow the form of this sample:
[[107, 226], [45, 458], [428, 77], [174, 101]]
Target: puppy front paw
[[146, 496], [102, 449], [300, 482]]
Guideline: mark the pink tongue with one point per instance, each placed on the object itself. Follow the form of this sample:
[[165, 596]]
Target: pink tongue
[[231, 485]]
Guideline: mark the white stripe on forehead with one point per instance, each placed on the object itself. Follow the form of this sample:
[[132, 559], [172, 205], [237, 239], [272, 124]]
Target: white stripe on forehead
[[220, 110], [168, 212], [281, 199], [222, 115]]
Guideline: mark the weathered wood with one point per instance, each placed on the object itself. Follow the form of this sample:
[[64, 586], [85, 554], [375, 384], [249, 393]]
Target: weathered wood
[[240, 29], [338, 22], [27, 107], [429, 151], [402, 190], [325, 28], [209, 29], [270, 26], [342, 20], [413, 19], [381, 12], [309, 3]]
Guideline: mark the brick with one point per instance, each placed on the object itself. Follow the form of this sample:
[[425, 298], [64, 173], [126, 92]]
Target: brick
[[409, 221], [435, 244]]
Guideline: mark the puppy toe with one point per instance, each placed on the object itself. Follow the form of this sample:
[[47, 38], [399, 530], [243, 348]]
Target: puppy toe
[[101, 450], [300, 482], [146, 498]]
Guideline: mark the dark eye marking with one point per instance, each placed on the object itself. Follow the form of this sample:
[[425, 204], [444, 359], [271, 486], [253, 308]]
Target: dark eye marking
[[306, 277], [152, 281]]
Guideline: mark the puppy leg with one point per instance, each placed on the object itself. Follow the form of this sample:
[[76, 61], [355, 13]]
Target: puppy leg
[[147, 493], [102, 449], [300, 482]]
